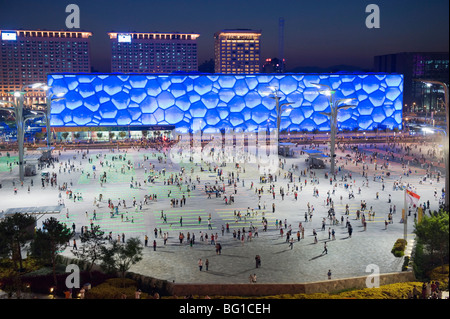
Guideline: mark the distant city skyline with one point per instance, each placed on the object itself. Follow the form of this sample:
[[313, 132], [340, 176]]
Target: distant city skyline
[[315, 34]]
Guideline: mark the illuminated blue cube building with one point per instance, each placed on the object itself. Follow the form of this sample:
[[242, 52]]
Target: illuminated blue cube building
[[215, 102]]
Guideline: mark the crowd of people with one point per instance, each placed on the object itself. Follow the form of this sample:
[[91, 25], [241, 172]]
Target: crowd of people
[[358, 169]]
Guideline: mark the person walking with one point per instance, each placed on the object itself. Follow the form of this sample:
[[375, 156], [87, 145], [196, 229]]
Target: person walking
[[325, 250], [154, 245], [200, 264]]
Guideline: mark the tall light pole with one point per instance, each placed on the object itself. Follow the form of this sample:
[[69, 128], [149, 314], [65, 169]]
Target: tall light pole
[[274, 95], [335, 106], [446, 141], [51, 97], [17, 109]]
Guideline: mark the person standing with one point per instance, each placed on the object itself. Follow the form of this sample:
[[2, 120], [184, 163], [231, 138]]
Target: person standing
[[145, 240], [258, 261], [329, 273], [137, 294], [154, 245], [206, 264], [200, 264]]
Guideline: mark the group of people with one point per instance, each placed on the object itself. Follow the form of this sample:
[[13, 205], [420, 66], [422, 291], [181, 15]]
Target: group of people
[[226, 183], [429, 290]]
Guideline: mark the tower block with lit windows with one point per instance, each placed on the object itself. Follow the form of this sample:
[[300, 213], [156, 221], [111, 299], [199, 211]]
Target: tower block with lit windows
[[28, 56], [153, 52], [237, 51]]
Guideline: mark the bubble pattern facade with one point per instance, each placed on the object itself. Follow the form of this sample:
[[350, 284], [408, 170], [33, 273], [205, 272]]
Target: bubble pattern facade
[[232, 102]]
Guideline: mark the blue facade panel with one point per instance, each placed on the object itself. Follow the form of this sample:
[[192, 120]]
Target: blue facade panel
[[213, 102]]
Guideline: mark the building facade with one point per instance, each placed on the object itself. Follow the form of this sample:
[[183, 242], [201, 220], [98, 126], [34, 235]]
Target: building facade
[[418, 97], [212, 103], [153, 52], [28, 56], [237, 51]]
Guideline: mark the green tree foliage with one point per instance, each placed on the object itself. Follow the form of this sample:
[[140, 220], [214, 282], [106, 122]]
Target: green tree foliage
[[50, 240], [122, 134], [91, 248], [65, 135], [118, 258], [433, 232], [15, 231]]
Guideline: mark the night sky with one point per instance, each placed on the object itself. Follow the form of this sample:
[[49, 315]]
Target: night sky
[[317, 33]]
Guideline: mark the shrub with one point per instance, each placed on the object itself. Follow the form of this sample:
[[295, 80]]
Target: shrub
[[419, 261], [405, 263], [121, 282], [399, 247], [115, 288], [439, 274], [392, 291]]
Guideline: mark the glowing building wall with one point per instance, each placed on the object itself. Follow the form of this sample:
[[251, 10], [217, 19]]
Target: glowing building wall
[[214, 102]]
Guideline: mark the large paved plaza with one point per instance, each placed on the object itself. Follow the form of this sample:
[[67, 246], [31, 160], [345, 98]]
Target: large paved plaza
[[169, 179]]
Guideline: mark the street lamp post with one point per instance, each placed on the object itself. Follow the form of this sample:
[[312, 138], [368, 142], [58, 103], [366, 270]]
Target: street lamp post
[[19, 97], [446, 141], [335, 106], [51, 97], [274, 95]]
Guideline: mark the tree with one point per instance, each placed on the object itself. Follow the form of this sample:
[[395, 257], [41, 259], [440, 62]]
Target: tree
[[64, 135], [122, 134], [39, 136], [91, 248], [15, 231], [118, 258], [433, 232], [50, 240]]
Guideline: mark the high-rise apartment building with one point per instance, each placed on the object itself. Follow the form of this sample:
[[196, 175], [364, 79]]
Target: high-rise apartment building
[[153, 52], [237, 51], [27, 56], [417, 96]]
